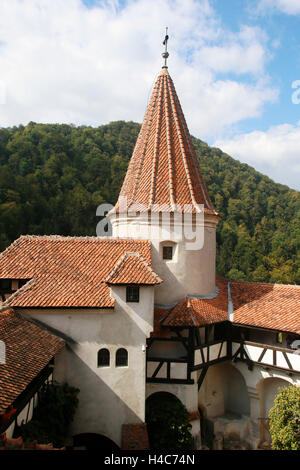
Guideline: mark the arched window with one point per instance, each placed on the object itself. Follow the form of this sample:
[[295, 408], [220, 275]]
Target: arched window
[[121, 358], [103, 358]]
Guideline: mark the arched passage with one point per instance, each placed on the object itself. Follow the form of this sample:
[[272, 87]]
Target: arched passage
[[224, 392], [167, 423], [92, 441], [268, 389]]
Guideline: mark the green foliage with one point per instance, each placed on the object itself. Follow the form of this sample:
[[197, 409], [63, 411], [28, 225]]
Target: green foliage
[[285, 419], [167, 423], [53, 177], [52, 416]]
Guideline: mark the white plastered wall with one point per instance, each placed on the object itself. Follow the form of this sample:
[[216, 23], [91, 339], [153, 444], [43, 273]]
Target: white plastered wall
[[192, 269], [222, 392], [109, 396]]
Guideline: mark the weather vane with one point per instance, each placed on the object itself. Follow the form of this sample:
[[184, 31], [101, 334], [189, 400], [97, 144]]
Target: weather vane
[[166, 54]]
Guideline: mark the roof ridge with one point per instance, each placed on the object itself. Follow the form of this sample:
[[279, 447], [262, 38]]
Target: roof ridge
[[7, 302], [190, 310], [275, 284], [171, 185], [175, 115], [127, 255], [71, 237]]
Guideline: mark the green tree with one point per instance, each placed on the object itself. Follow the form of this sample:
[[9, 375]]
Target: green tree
[[52, 416], [53, 177], [285, 419], [167, 423]]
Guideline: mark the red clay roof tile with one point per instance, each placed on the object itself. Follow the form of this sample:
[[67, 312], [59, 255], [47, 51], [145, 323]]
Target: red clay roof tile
[[164, 169], [274, 306], [133, 269], [68, 271], [198, 312], [29, 348]]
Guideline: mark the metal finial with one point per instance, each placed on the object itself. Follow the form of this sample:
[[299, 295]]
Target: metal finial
[[166, 54]]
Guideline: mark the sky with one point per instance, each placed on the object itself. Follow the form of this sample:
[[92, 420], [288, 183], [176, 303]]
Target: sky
[[235, 65]]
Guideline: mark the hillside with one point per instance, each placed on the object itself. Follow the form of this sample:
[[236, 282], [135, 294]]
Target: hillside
[[53, 177]]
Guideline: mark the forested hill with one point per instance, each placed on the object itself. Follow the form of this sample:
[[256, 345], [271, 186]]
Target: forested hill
[[53, 177]]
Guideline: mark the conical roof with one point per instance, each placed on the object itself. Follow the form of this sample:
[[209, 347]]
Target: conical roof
[[164, 169]]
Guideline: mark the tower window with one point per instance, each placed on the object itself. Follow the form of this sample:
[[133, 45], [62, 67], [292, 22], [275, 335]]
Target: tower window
[[103, 358], [132, 294], [121, 358], [167, 252]]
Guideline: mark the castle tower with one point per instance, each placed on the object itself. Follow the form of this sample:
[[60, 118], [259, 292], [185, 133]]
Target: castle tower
[[164, 199]]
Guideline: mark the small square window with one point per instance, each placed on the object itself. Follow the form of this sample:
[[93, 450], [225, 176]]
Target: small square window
[[167, 252], [132, 294]]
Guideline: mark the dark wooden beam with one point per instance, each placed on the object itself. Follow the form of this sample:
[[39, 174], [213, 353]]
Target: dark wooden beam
[[170, 381], [202, 376]]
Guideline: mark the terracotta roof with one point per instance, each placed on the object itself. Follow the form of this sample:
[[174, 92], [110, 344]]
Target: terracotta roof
[[29, 348], [191, 311], [274, 306], [66, 271], [164, 169], [133, 269], [271, 306]]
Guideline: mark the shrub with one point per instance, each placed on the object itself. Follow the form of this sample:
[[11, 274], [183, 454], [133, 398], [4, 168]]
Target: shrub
[[285, 419], [167, 423], [52, 416]]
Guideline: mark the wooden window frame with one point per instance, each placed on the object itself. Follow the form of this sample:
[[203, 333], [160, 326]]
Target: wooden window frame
[[166, 249], [132, 294]]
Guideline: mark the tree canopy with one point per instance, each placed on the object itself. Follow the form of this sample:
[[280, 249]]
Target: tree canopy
[[285, 419], [54, 176]]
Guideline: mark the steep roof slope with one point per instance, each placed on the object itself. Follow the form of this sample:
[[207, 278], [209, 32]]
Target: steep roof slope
[[29, 348], [164, 169]]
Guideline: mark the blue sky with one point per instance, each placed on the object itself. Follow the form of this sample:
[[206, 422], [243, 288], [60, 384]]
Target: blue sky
[[284, 65], [90, 62]]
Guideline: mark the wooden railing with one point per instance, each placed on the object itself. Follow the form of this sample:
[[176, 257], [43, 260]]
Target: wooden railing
[[178, 370], [266, 355]]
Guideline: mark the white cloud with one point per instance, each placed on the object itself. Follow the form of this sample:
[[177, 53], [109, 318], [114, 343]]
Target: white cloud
[[290, 7], [63, 62], [241, 53], [275, 152]]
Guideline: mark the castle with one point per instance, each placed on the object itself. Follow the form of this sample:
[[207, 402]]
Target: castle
[[142, 311]]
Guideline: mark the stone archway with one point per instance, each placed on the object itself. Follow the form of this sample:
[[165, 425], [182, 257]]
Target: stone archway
[[224, 392], [268, 389], [167, 423], [224, 397], [93, 441]]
